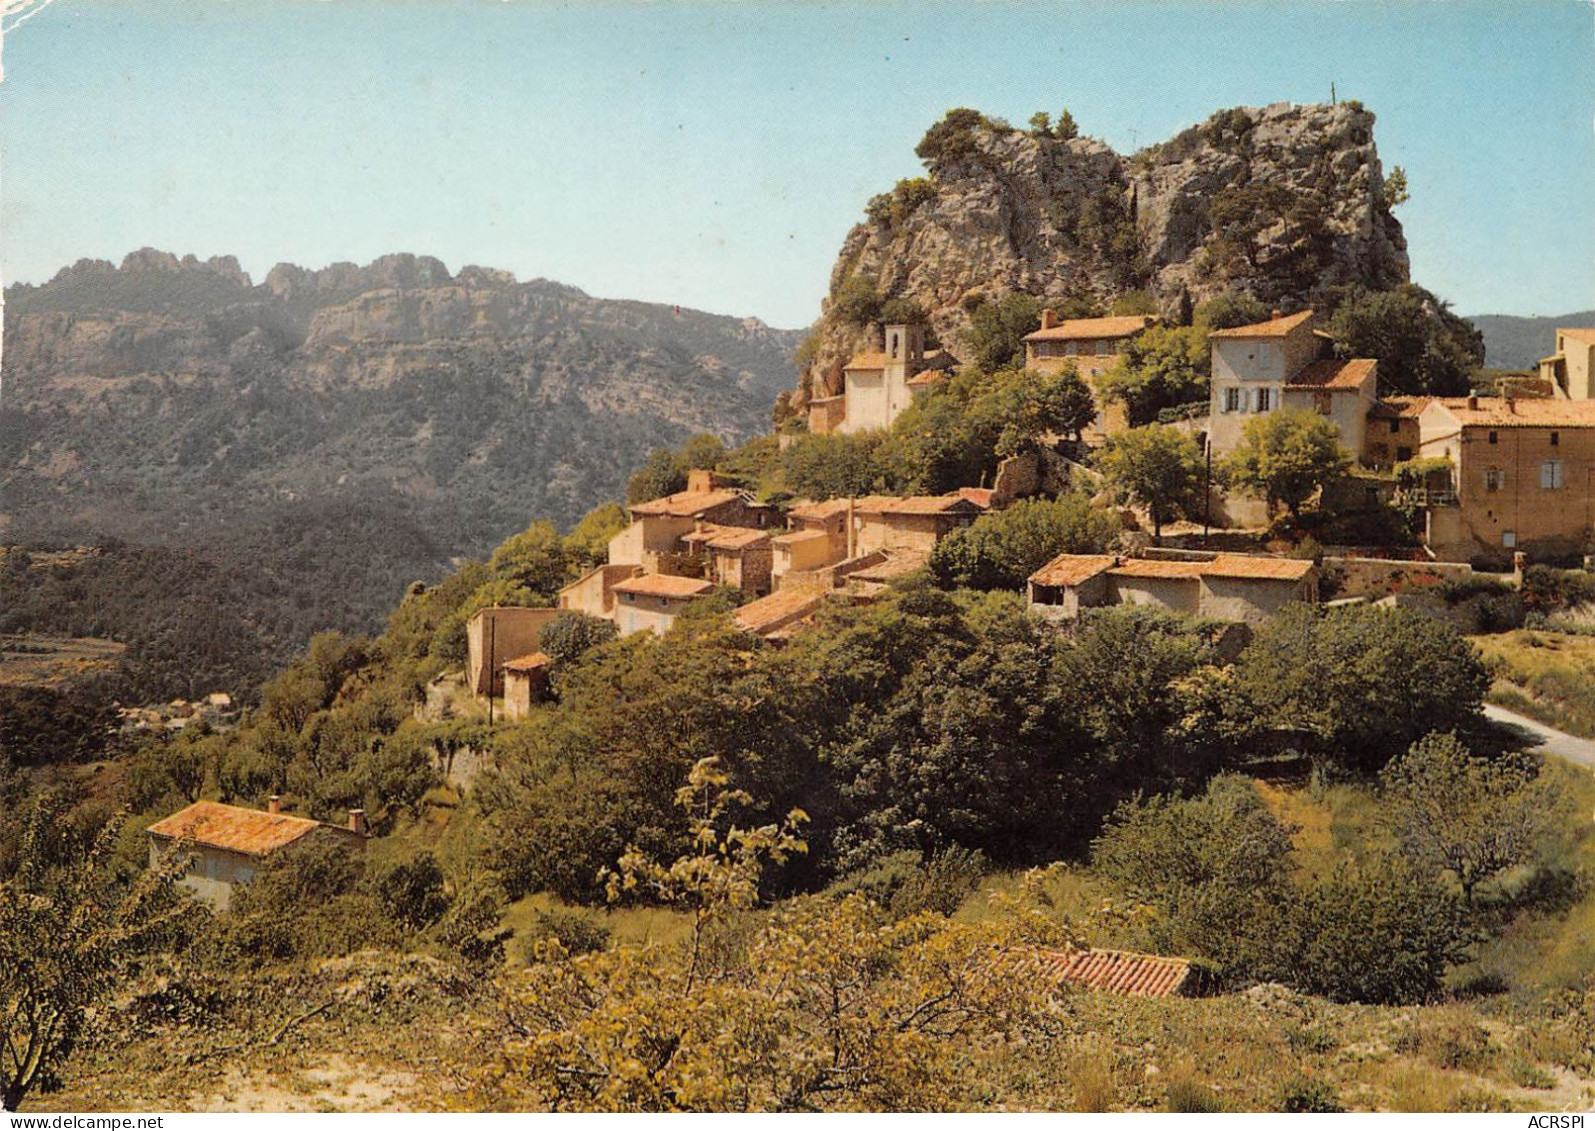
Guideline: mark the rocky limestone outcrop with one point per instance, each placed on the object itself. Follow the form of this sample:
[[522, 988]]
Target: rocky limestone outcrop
[[1283, 203]]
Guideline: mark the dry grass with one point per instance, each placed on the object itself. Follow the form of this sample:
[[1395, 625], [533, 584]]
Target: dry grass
[[1549, 676]]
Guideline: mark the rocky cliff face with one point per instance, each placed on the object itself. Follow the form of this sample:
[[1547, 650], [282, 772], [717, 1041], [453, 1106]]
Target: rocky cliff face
[[1285, 203], [391, 416]]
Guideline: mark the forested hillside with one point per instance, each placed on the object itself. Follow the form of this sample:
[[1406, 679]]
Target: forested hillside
[[308, 446]]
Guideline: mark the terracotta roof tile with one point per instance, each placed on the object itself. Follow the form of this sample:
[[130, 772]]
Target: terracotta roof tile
[[1248, 565], [1073, 569], [530, 662], [685, 504], [1117, 971], [1578, 333], [799, 536], [1086, 329], [777, 610], [1404, 407], [869, 359], [1273, 328], [1158, 568], [1347, 375], [664, 585], [897, 563], [727, 537], [253, 832], [1525, 412], [915, 504], [827, 508]]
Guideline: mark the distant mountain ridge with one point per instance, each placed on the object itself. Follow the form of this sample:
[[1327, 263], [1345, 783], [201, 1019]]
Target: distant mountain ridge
[[1514, 341], [337, 433]]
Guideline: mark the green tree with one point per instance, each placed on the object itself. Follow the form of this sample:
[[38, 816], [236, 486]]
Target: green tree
[[1452, 811], [951, 140], [1422, 348], [1286, 456], [1025, 408], [1216, 868], [1041, 124], [570, 635], [857, 301], [1161, 367], [832, 465], [1002, 549], [661, 475], [536, 560], [1156, 467], [1066, 129], [997, 330], [68, 936], [1394, 191], [1357, 686], [588, 541], [825, 1005], [1233, 308], [1379, 933]]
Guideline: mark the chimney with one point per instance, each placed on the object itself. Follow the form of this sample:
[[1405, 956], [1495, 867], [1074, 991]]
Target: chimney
[[357, 822], [1511, 404], [1473, 402], [1049, 318], [274, 803]]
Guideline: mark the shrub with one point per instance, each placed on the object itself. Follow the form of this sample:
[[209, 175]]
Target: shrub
[[1308, 1094], [856, 301], [578, 933], [952, 139], [1001, 550]]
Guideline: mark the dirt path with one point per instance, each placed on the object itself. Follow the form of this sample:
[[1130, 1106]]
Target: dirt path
[[1547, 739]]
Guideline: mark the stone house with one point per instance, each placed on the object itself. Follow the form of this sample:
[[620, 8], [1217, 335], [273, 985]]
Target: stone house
[[652, 601], [1286, 363], [877, 385], [775, 617], [659, 526], [736, 556], [1391, 435], [1568, 370], [526, 684], [1232, 587], [593, 594], [496, 633], [917, 522], [1092, 346], [1515, 475], [817, 536], [228, 843]]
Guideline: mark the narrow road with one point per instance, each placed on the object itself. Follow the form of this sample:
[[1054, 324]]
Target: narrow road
[[1548, 740]]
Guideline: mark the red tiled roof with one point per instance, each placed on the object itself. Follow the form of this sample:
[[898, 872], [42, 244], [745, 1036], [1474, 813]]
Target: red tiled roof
[[1248, 565], [897, 563], [1085, 329], [1073, 569], [1524, 412], [980, 496], [685, 504], [1348, 375], [253, 832], [1577, 333], [915, 504], [777, 610], [1158, 568], [727, 537], [1273, 328], [1117, 971], [664, 585], [530, 662], [870, 359], [1401, 407], [827, 508], [798, 536]]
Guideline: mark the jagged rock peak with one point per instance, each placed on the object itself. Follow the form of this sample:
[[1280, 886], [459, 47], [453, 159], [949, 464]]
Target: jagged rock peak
[[1282, 202]]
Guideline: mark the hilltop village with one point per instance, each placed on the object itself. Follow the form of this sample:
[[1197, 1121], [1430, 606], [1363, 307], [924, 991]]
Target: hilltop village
[[1498, 480], [1143, 664]]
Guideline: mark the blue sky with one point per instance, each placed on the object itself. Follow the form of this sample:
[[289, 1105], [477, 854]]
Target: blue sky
[[714, 154]]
